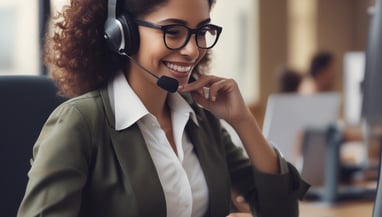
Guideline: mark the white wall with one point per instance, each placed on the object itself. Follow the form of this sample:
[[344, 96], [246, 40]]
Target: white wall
[[236, 53], [354, 71]]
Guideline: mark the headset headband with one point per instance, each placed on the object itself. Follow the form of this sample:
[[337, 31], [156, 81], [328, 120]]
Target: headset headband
[[111, 9]]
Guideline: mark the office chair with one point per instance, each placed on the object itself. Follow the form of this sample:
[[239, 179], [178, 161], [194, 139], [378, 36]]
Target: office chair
[[26, 102]]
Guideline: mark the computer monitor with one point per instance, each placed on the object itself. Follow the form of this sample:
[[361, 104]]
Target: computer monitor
[[287, 115], [372, 89], [372, 84]]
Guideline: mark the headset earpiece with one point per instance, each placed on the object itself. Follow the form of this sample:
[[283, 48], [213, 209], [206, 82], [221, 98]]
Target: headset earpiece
[[120, 32], [114, 35], [131, 34]]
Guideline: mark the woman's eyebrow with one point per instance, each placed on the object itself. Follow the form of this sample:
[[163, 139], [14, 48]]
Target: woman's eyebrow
[[208, 20]]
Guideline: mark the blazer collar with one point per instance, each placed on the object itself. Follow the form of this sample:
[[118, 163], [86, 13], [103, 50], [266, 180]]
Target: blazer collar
[[138, 167]]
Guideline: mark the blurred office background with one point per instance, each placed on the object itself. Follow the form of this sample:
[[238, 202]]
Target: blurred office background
[[258, 37]]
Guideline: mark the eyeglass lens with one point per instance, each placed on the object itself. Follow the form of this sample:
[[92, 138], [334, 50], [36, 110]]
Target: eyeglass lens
[[177, 36]]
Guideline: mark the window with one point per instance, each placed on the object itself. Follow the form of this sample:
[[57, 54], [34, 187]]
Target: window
[[19, 37]]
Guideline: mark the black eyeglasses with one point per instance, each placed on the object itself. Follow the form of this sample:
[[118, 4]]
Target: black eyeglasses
[[176, 36]]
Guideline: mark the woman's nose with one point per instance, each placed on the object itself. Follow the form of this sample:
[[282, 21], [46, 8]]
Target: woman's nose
[[191, 48]]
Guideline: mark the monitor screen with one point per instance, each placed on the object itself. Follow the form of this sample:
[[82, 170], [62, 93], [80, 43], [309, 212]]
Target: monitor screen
[[372, 84], [287, 115], [372, 87]]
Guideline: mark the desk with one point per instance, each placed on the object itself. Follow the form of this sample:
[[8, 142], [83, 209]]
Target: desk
[[342, 209]]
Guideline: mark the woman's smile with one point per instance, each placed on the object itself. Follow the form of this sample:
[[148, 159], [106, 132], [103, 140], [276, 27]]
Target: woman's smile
[[179, 69]]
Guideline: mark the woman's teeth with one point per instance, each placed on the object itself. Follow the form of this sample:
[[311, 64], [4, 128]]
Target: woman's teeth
[[178, 68]]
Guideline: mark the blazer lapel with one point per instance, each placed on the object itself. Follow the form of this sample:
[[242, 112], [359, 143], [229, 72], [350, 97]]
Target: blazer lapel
[[212, 160], [137, 166], [213, 165]]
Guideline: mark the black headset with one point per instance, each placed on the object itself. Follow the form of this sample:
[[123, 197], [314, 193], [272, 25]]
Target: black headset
[[120, 31]]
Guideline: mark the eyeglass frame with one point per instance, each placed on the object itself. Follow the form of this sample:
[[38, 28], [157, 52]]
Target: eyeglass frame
[[190, 32]]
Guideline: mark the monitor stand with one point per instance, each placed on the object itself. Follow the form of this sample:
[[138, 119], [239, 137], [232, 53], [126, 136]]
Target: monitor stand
[[332, 191]]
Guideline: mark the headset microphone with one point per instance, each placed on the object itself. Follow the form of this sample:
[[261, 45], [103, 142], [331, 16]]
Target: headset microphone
[[168, 83], [164, 82]]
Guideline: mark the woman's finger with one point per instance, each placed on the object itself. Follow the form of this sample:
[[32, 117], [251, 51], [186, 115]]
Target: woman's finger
[[203, 81], [224, 85]]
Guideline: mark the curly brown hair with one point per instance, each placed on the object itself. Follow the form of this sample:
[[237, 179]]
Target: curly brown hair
[[76, 53]]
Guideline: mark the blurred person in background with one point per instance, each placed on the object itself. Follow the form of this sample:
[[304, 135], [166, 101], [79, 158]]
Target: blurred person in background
[[288, 80], [321, 76]]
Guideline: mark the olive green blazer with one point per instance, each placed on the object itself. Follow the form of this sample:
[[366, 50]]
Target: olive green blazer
[[83, 167]]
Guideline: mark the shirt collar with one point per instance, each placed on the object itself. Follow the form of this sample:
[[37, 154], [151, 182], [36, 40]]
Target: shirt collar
[[128, 108]]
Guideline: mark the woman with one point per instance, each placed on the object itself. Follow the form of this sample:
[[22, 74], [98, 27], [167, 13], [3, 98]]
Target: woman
[[126, 146]]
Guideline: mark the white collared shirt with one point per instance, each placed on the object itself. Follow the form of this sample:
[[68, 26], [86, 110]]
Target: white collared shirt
[[183, 182]]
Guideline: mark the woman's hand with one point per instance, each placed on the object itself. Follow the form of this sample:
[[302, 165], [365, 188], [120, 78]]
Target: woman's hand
[[224, 100], [219, 95]]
